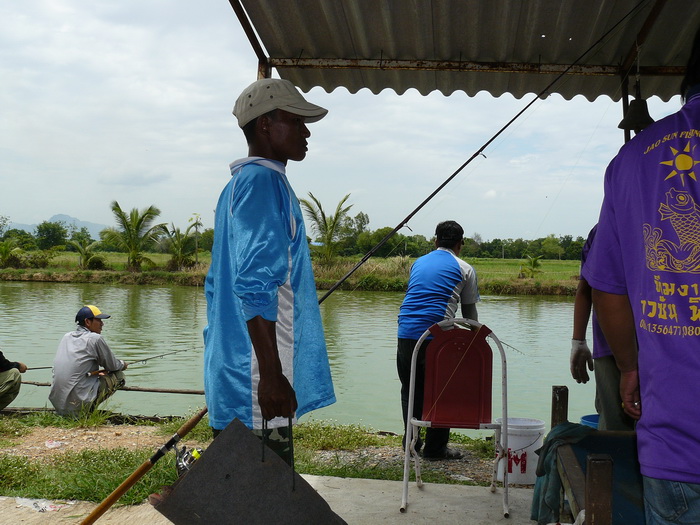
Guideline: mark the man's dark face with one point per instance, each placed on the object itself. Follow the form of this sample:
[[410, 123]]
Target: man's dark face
[[287, 136], [94, 325]]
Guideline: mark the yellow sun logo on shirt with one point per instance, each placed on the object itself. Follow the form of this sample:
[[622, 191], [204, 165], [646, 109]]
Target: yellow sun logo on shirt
[[682, 164]]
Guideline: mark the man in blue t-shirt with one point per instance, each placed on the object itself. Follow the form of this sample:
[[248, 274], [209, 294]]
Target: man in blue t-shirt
[[438, 282]]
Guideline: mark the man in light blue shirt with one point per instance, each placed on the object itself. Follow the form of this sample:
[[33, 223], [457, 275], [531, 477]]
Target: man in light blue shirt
[[439, 281], [265, 357]]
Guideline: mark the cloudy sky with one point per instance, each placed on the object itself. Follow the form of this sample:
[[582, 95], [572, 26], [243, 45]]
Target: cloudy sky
[[131, 101]]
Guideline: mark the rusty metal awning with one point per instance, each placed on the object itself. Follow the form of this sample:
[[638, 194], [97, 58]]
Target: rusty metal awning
[[498, 46]]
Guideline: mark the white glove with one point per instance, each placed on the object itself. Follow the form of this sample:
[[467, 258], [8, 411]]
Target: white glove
[[580, 356]]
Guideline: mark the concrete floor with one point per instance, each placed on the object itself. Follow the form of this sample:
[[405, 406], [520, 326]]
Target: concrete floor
[[357, 501]]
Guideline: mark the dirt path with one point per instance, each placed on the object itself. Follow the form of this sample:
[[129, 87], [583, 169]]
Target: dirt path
[[45, 442]]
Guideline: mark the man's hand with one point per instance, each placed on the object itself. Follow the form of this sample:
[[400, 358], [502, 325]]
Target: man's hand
[[629, 392], [580, 357], [22, 368], [276, 397]]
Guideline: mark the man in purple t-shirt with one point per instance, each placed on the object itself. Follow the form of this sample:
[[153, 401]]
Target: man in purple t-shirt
[[607, 375], [644, 268]]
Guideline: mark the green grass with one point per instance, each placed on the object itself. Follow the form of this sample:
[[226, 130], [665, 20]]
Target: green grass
[[201, 433], [117, 261], [496, 276], [322, 435], [91, 475], [506, 269]]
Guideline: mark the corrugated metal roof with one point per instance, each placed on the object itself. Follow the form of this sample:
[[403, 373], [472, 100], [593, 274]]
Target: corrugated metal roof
[[499, 46]]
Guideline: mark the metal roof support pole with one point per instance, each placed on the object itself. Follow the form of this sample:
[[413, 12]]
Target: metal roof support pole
[[646, 28], [264, 67], [625, 89]]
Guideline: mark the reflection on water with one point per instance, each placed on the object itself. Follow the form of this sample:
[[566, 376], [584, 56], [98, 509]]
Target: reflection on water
[[360, 333]]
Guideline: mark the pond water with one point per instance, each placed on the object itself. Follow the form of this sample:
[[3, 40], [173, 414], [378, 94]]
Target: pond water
[[360, 332]]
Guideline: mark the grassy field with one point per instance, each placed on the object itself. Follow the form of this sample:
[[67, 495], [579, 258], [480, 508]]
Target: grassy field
[[496, 276], [92, 474]]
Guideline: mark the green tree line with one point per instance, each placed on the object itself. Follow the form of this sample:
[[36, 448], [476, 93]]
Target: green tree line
[[138, 233], [339, 233]]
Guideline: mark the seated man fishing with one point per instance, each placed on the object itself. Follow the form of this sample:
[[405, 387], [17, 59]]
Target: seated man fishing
[[10, 380], [85, 371]]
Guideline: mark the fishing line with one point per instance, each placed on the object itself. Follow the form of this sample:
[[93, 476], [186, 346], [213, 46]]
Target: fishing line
[[478, 152], [583, 149], [139, 361], [569, 175], [157, 356], [512, 347]]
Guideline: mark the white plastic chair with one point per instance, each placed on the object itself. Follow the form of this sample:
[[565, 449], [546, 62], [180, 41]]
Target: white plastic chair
[[458, 392]]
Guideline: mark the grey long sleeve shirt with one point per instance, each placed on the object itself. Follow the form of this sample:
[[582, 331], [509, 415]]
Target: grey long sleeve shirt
[[79, 353]]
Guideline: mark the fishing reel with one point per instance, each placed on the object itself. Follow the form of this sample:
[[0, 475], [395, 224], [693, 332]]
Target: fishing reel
[[184, 459]]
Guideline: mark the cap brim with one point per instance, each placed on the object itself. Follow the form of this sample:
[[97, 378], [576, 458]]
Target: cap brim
[[311, 112], [102, 316]]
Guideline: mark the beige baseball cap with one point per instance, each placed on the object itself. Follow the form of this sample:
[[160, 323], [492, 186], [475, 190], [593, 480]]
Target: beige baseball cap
[[266, 94]]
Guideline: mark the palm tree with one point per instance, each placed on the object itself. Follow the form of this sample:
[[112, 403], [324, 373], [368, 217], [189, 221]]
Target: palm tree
[[135, 235], [328, 228], [196, 224], [180, 245], [532, 265], [10, 254], [88, 258]]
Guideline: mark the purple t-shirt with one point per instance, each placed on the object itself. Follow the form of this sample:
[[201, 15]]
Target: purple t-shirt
[[648, 247], [600, 345]]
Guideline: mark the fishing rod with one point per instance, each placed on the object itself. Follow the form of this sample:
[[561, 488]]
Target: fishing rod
[[40, 368], [137, 389], [540, 95], [143, 469], [98, 372]]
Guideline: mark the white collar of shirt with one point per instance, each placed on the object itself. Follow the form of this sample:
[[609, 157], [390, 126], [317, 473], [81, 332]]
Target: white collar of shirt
[[446, 250], [268, 163]]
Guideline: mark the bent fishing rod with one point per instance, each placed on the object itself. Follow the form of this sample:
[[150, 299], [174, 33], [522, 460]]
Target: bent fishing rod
[[541, 95], [98, 372], [143, 469]]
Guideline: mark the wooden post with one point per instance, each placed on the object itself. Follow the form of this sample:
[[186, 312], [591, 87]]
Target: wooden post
[[560, 405], [599, 483]]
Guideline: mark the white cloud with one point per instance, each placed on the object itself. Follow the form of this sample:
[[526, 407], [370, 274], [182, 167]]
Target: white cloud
[[131, 101]]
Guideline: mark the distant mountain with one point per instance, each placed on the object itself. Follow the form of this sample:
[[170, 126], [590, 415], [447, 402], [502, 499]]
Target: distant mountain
[[92, 227]]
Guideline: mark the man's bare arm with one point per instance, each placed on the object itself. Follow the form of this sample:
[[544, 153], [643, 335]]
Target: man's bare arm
[[617, 321]]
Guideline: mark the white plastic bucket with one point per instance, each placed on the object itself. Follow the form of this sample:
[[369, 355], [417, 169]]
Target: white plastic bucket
[[524, 437]]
